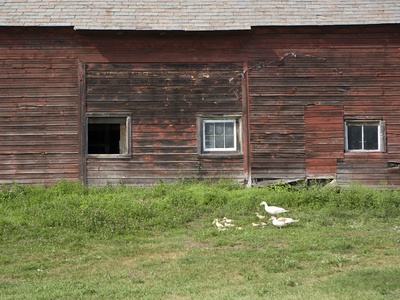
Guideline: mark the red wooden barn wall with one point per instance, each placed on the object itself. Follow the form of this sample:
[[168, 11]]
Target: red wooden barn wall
[[164, 101], [39, 122], [301, 96], [302, 84]]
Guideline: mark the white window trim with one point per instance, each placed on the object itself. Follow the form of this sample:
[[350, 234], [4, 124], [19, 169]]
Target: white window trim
[[110, 118], [214, 149], [233, 151], [381, 135]]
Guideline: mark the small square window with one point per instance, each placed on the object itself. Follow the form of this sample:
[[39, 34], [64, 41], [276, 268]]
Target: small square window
[[108, 135], [365, 136], [220, 135]]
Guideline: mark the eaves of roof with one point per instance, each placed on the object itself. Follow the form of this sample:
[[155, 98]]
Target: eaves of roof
[[195, 15]]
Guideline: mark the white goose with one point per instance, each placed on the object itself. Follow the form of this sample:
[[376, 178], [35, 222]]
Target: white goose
[[282, 222], [219, 225], [273, 210]]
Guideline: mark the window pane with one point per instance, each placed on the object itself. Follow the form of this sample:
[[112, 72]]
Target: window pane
[[209, 128], [354, 137], [370, 137], [229, 128], [209, 142], [219, 142], [229, 141], [219, 128]]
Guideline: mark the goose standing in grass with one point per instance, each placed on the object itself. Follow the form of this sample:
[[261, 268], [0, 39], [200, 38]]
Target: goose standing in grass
[[219, 225], [282, 222], [273, 210]]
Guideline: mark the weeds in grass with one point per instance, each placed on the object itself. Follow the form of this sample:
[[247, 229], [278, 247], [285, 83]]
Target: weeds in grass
[[116, 242], [117, 210]]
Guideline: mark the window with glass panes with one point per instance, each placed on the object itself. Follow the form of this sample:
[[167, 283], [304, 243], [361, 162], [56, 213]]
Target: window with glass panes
[[219, 135], [364, 136]]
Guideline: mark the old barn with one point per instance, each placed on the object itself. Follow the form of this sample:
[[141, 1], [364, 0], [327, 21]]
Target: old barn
[[135, 92]]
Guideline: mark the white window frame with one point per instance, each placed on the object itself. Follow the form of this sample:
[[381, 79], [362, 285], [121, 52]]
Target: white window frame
[[381, 134], [237, 137], [227, 121], [125, 133]]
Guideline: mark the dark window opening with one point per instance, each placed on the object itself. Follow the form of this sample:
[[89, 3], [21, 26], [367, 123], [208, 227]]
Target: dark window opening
[[104, 138], [108, 135]]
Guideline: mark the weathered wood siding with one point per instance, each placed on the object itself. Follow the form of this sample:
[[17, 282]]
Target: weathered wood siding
[[300, 84], [296, 117], [301, 96], [164, 101], [39, 121], [324, 129]]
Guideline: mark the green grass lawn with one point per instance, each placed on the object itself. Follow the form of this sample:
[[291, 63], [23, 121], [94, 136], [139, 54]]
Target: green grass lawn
[[72, 242]]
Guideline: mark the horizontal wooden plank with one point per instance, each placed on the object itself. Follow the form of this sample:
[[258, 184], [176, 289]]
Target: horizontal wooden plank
[[148, 67]]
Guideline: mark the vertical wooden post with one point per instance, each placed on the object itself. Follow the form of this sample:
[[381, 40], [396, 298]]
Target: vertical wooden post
[[246, 125], [82, 122]]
